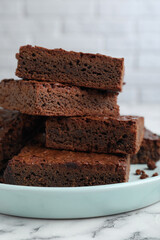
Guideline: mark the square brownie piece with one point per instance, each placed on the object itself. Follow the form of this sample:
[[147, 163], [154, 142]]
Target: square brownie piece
[[123, 134], [149, 150], [74, 68], [15, 130], [38, 166], [49, 99]]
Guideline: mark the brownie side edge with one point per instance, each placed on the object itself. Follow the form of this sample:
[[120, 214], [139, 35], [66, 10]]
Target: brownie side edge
[[80, 69]]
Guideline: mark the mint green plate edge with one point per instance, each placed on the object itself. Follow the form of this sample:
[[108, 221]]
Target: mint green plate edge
[[78, 202]]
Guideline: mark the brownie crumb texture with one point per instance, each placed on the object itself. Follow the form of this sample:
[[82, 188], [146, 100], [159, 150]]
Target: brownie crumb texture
[[79, 69], [46, 99], [38, 166], [122, 134], [15, 130], [150, 149], [138, 172], [143, 176], [151, 165], [155, 174]]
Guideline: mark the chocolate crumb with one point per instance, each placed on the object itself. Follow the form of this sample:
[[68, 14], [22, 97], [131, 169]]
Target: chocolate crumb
[[143, 176], [151, 165], [143, 172], [138, 172], [155, 174]]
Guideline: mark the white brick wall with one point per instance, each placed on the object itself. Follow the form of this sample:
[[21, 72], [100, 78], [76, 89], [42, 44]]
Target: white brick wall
[[120, 28]]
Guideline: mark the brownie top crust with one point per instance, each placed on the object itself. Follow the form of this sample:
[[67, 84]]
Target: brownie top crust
[[57, 50], [38, 166], [150, 135], [103, 118], [40, 155]]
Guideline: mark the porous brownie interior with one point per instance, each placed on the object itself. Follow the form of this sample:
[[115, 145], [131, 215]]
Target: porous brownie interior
[[43, 98], [10, 135], [15, 130], [149, 150], [44, 167], [74, 101], [90, 70], [94, 134]]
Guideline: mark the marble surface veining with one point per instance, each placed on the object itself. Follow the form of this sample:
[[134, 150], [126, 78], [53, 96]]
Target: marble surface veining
[[142, 224]]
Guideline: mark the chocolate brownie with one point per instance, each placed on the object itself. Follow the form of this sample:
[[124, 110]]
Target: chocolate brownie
[[79, 69], [123, 134], [15, 130], [49, 99], [38, 166], [150, 149], [1, 179]]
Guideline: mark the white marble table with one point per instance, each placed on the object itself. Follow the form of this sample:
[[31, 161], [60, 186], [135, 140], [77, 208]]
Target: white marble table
[[142, 224]]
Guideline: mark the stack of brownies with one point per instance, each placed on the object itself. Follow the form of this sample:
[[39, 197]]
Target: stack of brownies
[[62, 125]]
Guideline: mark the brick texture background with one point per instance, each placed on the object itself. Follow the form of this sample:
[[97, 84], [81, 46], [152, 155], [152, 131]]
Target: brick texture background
[[120, 28]]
